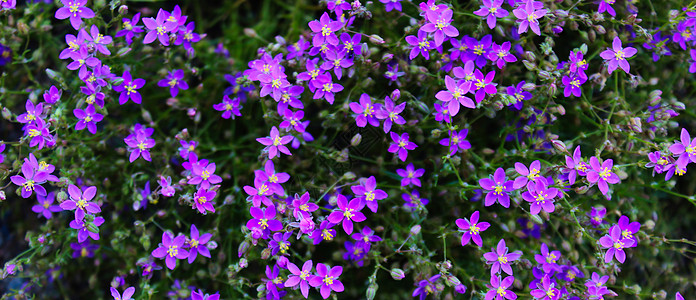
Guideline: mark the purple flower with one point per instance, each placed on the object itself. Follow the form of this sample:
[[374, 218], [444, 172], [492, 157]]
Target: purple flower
[[528, 17], [126, 294], [280, 243], [327, 280], [139, 144], [197, 244], [44, 208], [368, 194], [5, 55], [300, 277], [410, 176], [501, 259], [166, 188], [175, 82], [685, 149], [527, 175], [302, 208], [33, 113], [39, 134], [390, 113], [348, 212], [628, 230], [325, 88], [98, 40], [389, 5], [401, 144], [546, 290], [290, 97], [578, 65], [393, 74], [203, 200], [52, 95], [204, 174], [455, 95], [484, 85], [275, 143], [158, 28], [499, 188], [292, 120], [602, 174], [548, 259], [426, 287], [499, 289], [186, 36], [597, 215], [457, 141], [518, 95], [80, 201], [85, 249], [440, 24], [365, 111], [420, 44], [171, 249], [442, 113], [324, 29], [605, 5], [85, 228], [81, 60], [575, 166], [230, 107], [492, 10], [539, 196], [128, 88], [414, 200], [324, 232], [297, 49], [264, 219], [337, 59], [75, 10], [615, 244], [88, 118], [130, 28], [259, 193], [472, 229], [351, 44], [500, 54], [616, 57]]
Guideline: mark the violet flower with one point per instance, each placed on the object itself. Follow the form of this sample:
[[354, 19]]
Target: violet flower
[[85, 228], [275, 143], [368, 194], [500, 54], [75, 10], [80, 201], [528, 17], [204, 174], [31, 181], [602, 174], [527, 175], [484, 85], [401, 145], [229, 106], [175, 81], [457, 141], [300, 277], [421, 45], [628, 230], [455, 95], [492, 10], [128, 88], [326, 88], [337, 59], [264, 219], [327, 280], [499, 288], [365, 111], [390, 113], [501, 259], [605, 5], [324, 29], [615, 244], [127, 294], [33, 112], [171, 249], [302, 208], [158, 28], [685, 148], [617, 55], [85, 249], [540, 197], [472, 229], [546, 290], [197, 244], [88, 118], [426, 287], [52, 95], [130, 29], [139, 145], [348, 212], [203, 200], [499, 188], [186, 36], [98, 40], [440, 25], [45, 207], [390, 5], [519, 95], [575, 166], [410, 175]]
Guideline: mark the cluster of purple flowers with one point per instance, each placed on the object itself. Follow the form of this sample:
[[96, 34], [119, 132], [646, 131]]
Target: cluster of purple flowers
[[173, 248]]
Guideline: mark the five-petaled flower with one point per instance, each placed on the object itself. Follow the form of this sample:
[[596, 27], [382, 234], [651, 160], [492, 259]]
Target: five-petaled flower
[[75, 10], [327, 280], [348, 212], [617, 55], [171, 249], [401, 145], [499, 188], [275, 143], [129, 89], [80, 201], [472, 229]]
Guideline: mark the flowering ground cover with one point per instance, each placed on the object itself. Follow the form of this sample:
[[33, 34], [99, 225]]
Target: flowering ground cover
[[391, 149]]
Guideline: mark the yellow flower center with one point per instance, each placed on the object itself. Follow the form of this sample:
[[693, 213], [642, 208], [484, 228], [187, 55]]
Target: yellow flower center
[[474, 229], [202, 199], [503, 260], [194, 243], [478, 49], [173, 250], [205, 174], [326, 235], [328, 280], [369, 196]]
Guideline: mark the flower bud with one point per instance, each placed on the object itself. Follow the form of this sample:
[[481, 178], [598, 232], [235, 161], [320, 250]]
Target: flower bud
[[397, 274], [250, 32], [452, 280], [6, 114], [356, 140], [266, 253], [529, 65], [376, 39], [3, 197], [371, 291], [243, 247], [395, 95], [123, 9], [243, 263], [415, 230], [460, 288], [559, 145]]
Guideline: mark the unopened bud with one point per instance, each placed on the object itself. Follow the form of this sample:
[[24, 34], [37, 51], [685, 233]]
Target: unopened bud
[[376, 39], [397, 274], [250, 32], [123, 9], [559, 145], [395, 95], [415, 230], [243, 247], [452, 280], [371, 291], [356, 140], [266, 253]]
